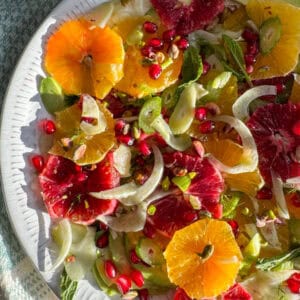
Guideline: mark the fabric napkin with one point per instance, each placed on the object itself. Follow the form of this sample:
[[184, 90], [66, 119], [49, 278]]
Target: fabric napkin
[[19, 19]]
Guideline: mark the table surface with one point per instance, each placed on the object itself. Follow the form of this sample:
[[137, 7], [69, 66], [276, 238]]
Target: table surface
[[19, 19]]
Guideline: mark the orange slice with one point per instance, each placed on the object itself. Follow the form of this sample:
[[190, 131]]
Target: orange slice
[[203, 258], [68, 127], [231, 154], [137, 82], [283, 57], [84, 58], [295, 94]]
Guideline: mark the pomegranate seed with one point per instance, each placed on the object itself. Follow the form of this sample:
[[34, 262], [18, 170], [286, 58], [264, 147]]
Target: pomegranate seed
[[126, 139], [295, 200], [156, 43], [249, 59], [101, 226], [201, 113], [252, 48], [81, 177], [49, 127], [213, 108], [296, 128], [87, 120], [143, 294], [150, 27], [155, 71], [207, 127], [180, 294], [264, 193], [249, 35], [280, 88], [249, 69], [144, 148], [123, 283], [293, 283], [149, 231], [147, 51], [217, 211], [119, 126], [169, 35], [183, 44], [134, 257], [234, 226], [137, 277], [78, 168], [190, 216], [206, 67], [102, 240], [110, 269], [38, 162]]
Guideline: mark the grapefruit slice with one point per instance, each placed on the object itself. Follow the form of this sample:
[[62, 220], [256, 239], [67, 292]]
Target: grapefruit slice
[[272, 130], [65, 189], [187, 16], [208, 183]]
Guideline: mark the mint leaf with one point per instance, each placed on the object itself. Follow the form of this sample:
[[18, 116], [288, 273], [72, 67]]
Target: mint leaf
[[237, 55], [192, 69], [267, 264], [67, 286], [192, 65]]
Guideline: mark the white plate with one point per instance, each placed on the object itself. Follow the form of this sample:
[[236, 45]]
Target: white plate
[[22, 110]]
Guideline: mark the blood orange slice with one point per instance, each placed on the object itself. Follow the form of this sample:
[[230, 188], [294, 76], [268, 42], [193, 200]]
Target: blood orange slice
[[237, 292], [187, 16], [65, 189], [272, 129]]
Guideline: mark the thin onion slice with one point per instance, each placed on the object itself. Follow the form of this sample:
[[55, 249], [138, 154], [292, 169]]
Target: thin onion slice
[[279, 196], [240, 108], [122, 160], [122, 191], [101, 14], [150, 185], [65, 227], [249, 147], [90, 109], [180, 143]]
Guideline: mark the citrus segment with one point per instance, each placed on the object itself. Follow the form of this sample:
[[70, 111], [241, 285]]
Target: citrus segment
[[137, 81], [84, 58], [283, 58], [68, 131], [209, 258], [295, 94]]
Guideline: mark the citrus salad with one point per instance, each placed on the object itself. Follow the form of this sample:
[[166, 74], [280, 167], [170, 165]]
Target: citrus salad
[[174, 163]]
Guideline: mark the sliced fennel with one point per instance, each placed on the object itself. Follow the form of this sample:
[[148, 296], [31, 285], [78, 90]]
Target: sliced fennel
[[63, 234], [268, 285], [90, 109], [249, 147], [132, 221], [183, 114], [151, 184], [122, 160], [279, 196], [180, 143], [240, 108], [81, 246], [119, 192], [101, 14]]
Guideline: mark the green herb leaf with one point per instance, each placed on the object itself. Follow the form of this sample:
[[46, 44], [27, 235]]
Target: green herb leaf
[[267, 264], [67, 286], [192, 69], [53, 97], [237, 55]]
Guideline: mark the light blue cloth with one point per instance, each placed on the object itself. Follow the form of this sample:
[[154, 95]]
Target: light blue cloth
[[19, 19]]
